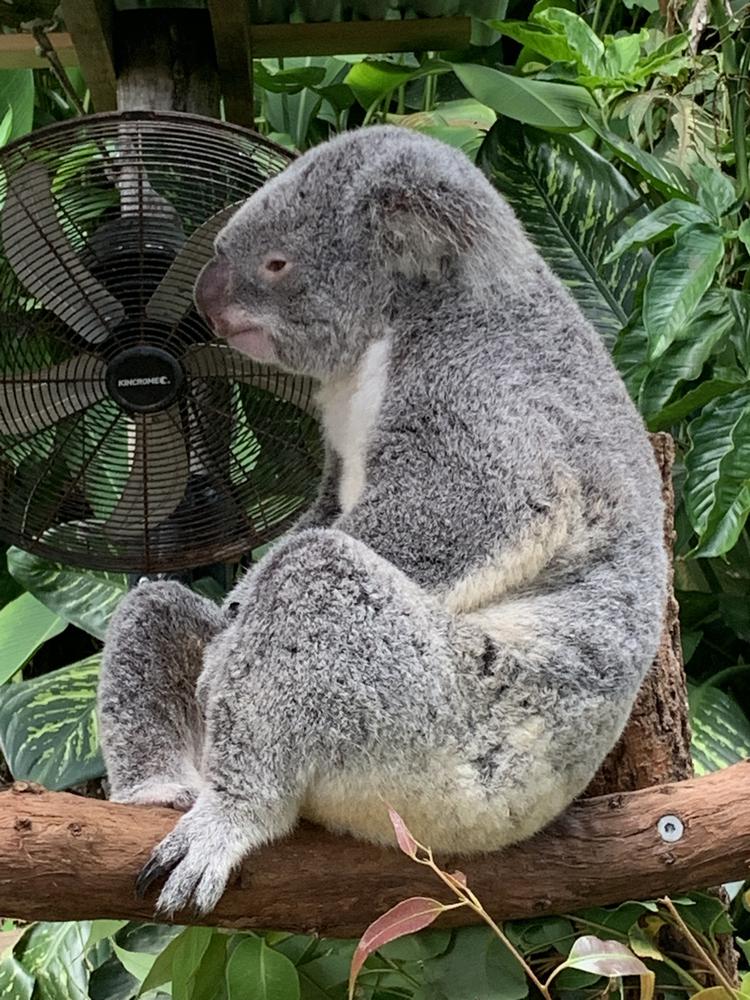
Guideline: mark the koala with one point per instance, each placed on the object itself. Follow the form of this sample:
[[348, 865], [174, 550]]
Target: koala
[[460, 623]]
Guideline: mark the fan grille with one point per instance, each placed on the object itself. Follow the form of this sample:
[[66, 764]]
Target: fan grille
[[130, 438]]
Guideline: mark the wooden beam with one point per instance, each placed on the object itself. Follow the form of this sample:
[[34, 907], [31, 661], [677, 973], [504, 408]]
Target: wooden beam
[[268, 41], [230, 22], [22, 52], [63, 857], [90, 23], [330, 38]]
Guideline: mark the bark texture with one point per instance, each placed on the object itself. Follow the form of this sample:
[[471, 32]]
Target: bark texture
[[67, 858], [655, 746]]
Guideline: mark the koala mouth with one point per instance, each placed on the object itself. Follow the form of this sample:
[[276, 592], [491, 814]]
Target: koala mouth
[[254, 341]]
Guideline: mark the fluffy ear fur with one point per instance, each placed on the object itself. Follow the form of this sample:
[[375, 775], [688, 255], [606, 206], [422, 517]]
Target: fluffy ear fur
[[423, 231]]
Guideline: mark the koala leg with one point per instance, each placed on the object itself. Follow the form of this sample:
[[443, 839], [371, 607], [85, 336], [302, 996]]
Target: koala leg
[[150, 723], [331, 650]]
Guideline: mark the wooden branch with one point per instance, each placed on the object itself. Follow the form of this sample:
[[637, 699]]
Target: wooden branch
[[63, 857], [90, 23]]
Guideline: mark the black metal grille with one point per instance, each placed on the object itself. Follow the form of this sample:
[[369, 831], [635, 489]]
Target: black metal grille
[[129, 437]]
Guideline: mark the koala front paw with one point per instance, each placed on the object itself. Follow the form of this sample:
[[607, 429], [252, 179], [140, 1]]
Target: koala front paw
[[198, 857]]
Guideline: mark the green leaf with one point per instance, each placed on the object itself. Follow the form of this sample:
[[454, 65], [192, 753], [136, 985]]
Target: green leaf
[[677, 281], [6, 127], [187, 959], [86, 598], [720, 729], [15, 982], [209, 977], [477, 967], [574, 205], [683, 362], [373, 79], [420, 947], [659, 224], [55, 954], [532, 102], [664, 176], [48, 729], [744, 233], [102, 929], [717, 485], [539, 38], [137, 963], [257, 971], [289, 80], [25, 625], [604, 958], [585, 44], [17, 95], [715, 190]]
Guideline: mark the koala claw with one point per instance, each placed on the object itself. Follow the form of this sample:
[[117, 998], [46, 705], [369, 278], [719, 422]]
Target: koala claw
[[198, 858]]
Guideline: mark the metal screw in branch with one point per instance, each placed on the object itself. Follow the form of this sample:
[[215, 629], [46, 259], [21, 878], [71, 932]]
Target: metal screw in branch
[[671, 829]]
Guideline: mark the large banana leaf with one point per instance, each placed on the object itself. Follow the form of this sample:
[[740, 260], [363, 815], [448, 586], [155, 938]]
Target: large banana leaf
[[83, 598], [575, 206], [48, 729]]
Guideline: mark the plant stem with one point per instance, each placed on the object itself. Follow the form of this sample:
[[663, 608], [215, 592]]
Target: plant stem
[[700, 950]]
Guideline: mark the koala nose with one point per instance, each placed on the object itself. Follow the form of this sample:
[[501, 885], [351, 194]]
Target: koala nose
[[211, 291]]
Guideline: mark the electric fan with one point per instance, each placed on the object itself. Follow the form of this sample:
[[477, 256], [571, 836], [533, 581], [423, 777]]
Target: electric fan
[[130, 437]]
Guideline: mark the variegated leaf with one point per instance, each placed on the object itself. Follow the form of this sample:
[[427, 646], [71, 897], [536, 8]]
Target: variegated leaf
[[720, 729], [575, 206], [48, 730], [83, 598]]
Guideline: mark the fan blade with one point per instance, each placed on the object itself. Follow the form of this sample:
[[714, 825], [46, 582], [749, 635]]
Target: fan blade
[[30, 402], [221, 361], [158, 476], [46, 264], [173, 296]]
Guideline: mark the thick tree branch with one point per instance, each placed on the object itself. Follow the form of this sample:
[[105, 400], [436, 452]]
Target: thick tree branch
[[63, 857]]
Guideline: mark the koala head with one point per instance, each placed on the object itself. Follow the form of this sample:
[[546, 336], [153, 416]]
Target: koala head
[[305, 273]]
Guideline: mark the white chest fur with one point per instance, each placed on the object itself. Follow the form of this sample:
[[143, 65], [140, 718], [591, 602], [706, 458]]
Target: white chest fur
[[350, 407]]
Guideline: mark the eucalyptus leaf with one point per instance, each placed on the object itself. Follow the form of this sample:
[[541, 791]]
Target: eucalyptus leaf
[[677, 281], [717, 486], [48, 730], [25, 625], [720, 729], [604, 958], [532, 102], [574, 205], [255, 970], [86, 598]]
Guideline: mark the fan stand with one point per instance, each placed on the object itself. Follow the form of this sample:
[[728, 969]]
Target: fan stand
[[651, 828]]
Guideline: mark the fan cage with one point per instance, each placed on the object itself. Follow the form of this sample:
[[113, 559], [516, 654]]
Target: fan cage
[[94, 215]]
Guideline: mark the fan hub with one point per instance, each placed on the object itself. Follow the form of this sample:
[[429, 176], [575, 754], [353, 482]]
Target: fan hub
[[144, 379]]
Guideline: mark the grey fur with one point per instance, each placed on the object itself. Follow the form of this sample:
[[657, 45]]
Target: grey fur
[[468, 638]]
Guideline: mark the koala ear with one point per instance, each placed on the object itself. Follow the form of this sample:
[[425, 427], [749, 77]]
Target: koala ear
[[420, 231]]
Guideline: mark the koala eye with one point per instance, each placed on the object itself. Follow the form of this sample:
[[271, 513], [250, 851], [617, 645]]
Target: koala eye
[[274, 266]]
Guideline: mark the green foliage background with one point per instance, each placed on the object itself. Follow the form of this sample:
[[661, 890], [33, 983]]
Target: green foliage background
[[619, 135]]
